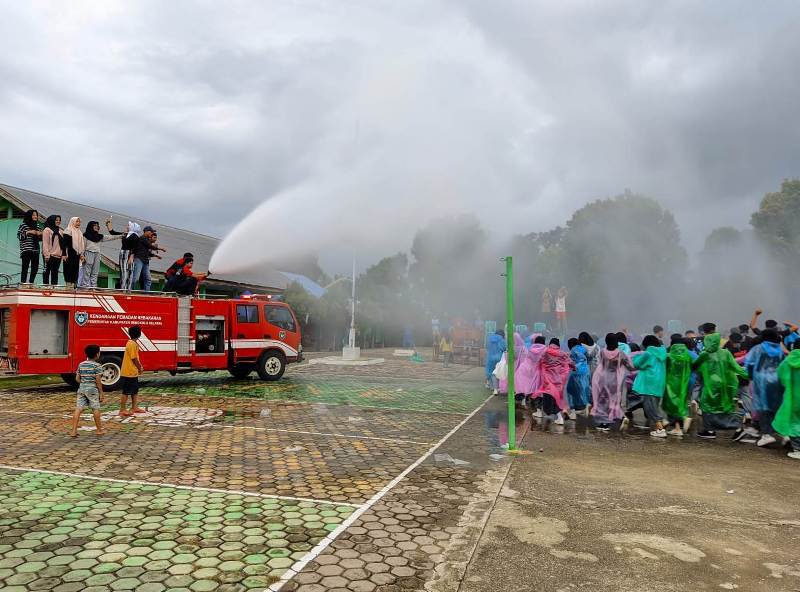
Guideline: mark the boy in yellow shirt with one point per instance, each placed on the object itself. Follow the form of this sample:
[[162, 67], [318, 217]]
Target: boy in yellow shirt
[[131, 369], [446, 348]]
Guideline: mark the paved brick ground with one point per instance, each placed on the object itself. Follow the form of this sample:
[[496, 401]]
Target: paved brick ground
[[225, 485]]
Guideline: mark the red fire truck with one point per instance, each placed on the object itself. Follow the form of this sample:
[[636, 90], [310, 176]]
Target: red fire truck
[[44, 331]]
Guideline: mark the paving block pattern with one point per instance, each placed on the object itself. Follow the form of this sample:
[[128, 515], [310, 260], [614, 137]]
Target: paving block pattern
[[323, 468], [68, 534]]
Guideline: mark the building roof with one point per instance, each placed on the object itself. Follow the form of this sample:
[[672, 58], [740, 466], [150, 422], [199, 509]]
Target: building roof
[[175, 240], [308, 284]]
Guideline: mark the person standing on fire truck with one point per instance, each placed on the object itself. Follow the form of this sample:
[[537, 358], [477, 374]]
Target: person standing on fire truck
[[29, 237], [131, 369], [73, 247]]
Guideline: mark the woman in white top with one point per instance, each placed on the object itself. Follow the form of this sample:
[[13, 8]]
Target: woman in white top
[[91, 254], [561, 310]]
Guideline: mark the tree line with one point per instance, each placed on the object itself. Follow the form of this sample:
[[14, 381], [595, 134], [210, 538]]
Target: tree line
[[621, 258]]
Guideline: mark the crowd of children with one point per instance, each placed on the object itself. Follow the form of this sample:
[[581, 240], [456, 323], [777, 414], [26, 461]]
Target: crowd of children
[[748, 383], [76, 253]]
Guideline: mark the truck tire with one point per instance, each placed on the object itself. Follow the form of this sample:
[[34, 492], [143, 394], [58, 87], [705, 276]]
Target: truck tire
[[111, 376], [271, 365], [241, 371], [70, 379]]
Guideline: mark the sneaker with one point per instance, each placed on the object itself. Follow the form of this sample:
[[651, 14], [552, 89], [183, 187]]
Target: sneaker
[[766, 440], [707, 434], [795, 454], [603, 428], [538, 414], [675, 432], [752, 432], [624, 425], [559, 419], [748, 440], [572, 415], [495, 393], [687, 423], [662, 433], [738, 435]]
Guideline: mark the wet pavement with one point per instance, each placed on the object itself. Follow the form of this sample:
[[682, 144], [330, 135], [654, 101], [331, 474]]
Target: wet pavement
[[388, 478]]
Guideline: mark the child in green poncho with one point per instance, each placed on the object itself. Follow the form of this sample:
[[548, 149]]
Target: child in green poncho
[[648, 387], [679, 372], [787, 419], [720, 373]]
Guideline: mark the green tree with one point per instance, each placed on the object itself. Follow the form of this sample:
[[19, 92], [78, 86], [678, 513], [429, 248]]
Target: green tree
[[622, 261], [775, 222]]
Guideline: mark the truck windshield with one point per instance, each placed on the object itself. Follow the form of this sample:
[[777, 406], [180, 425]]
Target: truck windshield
[[280, 317]]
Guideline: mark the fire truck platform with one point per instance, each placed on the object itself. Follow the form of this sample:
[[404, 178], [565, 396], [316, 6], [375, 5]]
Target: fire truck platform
[[332, 478]]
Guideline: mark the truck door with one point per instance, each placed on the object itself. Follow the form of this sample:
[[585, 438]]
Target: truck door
[[281, 326], [247, 333]]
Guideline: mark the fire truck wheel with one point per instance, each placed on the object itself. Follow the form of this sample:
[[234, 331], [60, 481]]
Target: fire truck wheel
[[241, 370], [70, 380], [271, 365], [111, 372]]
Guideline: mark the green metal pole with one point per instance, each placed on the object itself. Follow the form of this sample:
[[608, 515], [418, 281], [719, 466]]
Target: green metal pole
[[512, 411]]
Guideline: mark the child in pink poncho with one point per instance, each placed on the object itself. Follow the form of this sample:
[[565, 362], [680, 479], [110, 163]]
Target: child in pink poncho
[[527, 377], [554, 368], [608, 385]]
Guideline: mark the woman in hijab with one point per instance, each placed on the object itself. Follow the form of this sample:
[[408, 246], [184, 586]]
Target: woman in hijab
[[91, 267], [73, 246], [29, 236], [52, 251], [608, 385], [129, 243]]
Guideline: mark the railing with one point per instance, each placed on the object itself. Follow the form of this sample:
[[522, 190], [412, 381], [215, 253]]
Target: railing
[[8, 283]]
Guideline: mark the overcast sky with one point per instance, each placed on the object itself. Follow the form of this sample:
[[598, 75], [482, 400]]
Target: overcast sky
[[370, 118]]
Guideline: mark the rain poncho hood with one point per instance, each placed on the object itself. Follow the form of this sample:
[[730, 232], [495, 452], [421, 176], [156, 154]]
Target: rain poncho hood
[[554, 367], [787, 420], [762, 365], [652, 368], [719, 371], [679, 373], [579, 393], [608, 385]]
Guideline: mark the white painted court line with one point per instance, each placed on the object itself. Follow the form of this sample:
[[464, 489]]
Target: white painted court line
[[260, 429], [324, 543], [186, 487]]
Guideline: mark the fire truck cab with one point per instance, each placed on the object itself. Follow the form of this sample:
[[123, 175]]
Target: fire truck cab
[[45, 331]]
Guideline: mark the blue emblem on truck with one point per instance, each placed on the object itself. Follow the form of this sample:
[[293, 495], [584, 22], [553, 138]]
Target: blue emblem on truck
[[81, 318]]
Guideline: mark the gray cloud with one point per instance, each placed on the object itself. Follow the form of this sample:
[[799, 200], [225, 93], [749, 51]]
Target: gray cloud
[[371, 118]]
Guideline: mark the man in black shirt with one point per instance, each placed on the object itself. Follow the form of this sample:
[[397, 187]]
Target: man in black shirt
[[141, 259]]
